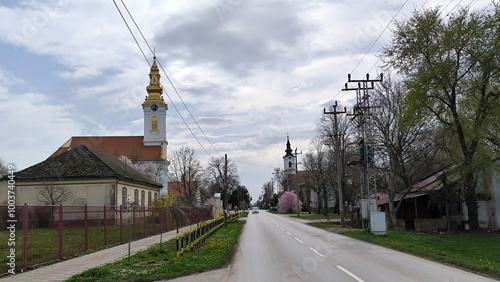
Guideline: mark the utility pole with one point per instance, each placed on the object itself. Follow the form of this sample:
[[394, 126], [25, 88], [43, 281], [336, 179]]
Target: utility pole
[[296, 180], [361, 113], [337, 157], [225, 190], [277, 178]]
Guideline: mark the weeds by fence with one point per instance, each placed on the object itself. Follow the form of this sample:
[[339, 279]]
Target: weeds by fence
[[51, 233]]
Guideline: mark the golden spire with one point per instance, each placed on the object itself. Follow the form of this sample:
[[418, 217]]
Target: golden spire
[[154, 88]]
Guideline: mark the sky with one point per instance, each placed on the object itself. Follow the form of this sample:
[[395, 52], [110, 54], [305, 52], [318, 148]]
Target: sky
[[249, 72]]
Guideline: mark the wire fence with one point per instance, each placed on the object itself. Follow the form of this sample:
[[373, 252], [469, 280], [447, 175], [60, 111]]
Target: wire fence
[[31, 236]]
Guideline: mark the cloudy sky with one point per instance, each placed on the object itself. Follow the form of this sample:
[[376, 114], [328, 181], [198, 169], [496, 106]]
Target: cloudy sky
[[249, 71]]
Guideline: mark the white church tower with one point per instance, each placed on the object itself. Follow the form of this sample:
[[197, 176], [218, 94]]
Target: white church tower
[[289, 158], [155, 112], [155, 123]]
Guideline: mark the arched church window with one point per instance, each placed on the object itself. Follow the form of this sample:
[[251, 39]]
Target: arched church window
[[289, 164], [136, 196], [154, 124], [149, 199]]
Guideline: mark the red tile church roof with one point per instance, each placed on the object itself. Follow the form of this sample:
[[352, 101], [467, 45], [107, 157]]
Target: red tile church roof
[[129, 146]]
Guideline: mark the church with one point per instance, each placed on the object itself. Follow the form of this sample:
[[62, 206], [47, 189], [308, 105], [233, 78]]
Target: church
[[86, 170], [141, 150]]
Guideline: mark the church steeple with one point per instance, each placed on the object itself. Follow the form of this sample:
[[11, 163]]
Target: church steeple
[[288, 150], [289, 158], [154, 88], [155, 113]]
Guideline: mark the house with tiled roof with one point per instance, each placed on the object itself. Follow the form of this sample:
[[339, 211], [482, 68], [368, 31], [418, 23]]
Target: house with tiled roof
[[90, 176], [141, 150]]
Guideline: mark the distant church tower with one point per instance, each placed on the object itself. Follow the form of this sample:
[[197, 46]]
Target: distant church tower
[[289, 158], [155, 113]]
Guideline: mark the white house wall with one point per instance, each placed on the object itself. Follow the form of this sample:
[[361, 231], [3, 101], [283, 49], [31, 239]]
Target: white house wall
[[90, 192]]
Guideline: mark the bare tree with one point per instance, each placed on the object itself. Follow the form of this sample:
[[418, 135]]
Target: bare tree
[[215, 175], [407, 150], [186, 171], [267, 193], [53, 194], [3, 167], [345, 132], [316, 162]]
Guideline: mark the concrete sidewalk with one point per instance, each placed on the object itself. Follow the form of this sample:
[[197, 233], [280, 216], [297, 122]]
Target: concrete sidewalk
[[65, 269]]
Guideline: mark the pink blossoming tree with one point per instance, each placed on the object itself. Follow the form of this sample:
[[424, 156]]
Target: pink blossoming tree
[[288, 201]]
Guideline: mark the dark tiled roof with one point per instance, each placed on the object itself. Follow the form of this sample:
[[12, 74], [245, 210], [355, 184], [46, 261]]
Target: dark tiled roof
[[129, 146], [83, 162]]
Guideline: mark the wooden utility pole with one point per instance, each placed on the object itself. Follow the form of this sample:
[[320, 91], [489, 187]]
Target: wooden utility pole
[[337, 157]]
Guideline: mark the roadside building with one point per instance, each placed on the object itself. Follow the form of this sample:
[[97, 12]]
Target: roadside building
[[142, 150], [88, 176]]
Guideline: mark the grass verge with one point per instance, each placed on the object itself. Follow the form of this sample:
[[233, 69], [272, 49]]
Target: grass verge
[[155, 263], [317, 216], [473, 251]]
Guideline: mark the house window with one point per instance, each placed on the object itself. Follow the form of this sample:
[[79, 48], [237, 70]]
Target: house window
[[154, 124], [289, 164], [124, 196], [149, 199], [136, 196], [143, 198], [156, 195]]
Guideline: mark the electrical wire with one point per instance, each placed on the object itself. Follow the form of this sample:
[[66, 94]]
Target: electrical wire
[[169, 80], [355, 67], [171, 101]]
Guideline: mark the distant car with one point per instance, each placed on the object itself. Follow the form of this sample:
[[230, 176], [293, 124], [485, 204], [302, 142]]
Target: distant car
[[255, 210]]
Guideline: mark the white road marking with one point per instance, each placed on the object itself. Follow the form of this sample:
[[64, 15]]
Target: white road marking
[[299, 240], [350, 274], [282, 229], [318, 253], [289, 233]]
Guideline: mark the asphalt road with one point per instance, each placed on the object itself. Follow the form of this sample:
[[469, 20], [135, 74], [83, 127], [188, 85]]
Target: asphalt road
[[279, 248]]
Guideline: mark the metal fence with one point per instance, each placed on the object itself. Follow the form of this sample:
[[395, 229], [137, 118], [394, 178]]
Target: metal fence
[[35, 235]]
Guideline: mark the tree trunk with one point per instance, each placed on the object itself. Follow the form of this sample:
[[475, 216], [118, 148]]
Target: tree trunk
[[325, 199], [471, 199], [393, 215]]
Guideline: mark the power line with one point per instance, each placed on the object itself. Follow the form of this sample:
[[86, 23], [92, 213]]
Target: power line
[[169, 80], [171, 101], [359, 62]]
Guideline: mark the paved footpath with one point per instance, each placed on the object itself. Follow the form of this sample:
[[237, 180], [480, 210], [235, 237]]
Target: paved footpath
[[65, 269]]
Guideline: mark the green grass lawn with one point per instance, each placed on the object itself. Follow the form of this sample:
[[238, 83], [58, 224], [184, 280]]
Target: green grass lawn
[[318, 216], [43, 243], [155, 263], [475, 251]]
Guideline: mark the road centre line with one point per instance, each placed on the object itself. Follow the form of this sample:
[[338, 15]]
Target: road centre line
[[350, 274], [289, 233], [318, 253], [282, 228], [299, 240]]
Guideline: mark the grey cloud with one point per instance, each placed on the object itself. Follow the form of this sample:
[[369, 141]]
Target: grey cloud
[[253, 37]]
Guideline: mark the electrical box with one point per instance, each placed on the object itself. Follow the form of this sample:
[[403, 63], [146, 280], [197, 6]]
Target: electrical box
[[377, 223], [368, 206]]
